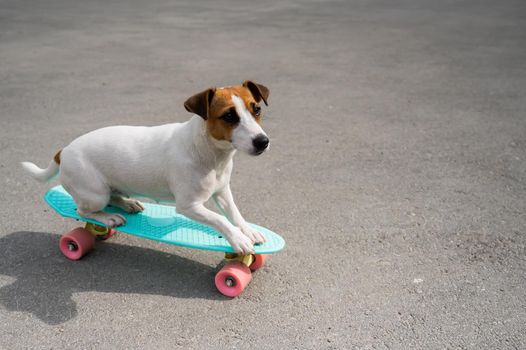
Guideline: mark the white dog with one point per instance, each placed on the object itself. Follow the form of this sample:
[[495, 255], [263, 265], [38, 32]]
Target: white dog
[[188, 162]]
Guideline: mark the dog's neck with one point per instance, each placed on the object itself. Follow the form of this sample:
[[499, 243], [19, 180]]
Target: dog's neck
[[213, 153]]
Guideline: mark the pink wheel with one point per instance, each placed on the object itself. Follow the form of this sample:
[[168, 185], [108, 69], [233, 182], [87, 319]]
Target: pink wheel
[[77, 243], [232, 279], [259, 261]]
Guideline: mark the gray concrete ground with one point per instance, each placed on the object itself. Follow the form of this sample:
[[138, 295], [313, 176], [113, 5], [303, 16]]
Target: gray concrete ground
[[397, 172]]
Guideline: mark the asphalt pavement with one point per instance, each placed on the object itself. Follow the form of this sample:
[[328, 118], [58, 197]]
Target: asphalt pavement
[[397, 172]]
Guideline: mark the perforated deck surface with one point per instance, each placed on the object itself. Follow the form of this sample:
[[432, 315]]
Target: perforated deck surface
[[162, 223]]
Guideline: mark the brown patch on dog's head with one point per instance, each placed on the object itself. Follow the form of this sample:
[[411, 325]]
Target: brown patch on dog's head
[[56, 158], [216, 107]]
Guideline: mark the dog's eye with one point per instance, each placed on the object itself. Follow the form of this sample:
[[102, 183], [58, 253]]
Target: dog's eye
[[230, 117], [257, 111]]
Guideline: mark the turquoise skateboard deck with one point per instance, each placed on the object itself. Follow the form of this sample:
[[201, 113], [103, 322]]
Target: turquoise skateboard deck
[[162, 223]]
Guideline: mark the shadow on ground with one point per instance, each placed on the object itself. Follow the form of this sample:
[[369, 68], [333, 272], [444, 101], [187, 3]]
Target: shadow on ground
[[45, 280]]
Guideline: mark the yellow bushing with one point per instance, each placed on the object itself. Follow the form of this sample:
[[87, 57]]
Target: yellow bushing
[[96, 230], [245, 259]]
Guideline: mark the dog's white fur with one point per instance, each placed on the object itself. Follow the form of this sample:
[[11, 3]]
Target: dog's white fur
[[178, 161]]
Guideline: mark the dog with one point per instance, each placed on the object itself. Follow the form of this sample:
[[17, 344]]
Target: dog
[[188, 162]]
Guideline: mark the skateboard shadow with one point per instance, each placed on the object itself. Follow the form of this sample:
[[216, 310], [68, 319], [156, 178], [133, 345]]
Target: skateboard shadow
[[46, 280]]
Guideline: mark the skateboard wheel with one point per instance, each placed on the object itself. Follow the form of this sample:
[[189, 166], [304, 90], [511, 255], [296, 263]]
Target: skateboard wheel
[[232, 279], [77, 243], [259, 261]]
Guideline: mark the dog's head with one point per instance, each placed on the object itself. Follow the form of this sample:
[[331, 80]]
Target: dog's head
[[233, 115]]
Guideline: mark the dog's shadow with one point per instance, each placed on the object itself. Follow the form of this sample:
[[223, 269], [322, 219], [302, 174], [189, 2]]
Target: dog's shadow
[[46, 280]]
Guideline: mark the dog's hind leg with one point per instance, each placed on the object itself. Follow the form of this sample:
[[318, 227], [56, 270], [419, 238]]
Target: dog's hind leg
[[90, 193], [109, 220], [90, 205], [129, 205]]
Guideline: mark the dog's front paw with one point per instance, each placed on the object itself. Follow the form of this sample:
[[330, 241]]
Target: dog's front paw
[[240, 242], [255, 236]]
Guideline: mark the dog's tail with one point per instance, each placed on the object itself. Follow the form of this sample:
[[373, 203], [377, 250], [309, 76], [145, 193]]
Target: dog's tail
[[43, 175]]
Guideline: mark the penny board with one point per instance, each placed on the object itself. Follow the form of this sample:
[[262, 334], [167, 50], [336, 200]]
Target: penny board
[[162, 223]]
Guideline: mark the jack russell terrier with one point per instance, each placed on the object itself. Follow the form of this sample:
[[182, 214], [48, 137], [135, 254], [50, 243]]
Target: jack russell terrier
[[189, 162]]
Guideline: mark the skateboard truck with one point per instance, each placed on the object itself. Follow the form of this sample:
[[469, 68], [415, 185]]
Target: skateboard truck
[[100, 232], [245, 259]]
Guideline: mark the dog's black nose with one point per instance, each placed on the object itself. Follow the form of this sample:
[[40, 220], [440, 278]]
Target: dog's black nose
[[260, 142]]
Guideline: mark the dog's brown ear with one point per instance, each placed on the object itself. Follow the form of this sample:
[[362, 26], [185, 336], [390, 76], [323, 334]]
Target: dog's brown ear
[[260, 92], [200, 103]]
